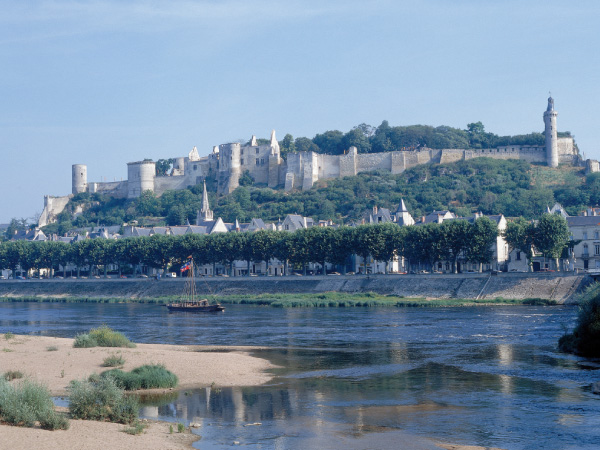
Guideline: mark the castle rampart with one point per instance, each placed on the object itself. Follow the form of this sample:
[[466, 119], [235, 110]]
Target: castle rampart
[[228, 162]]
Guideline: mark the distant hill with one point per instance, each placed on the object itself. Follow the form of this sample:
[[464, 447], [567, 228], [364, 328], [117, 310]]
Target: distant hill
[[510, 187]]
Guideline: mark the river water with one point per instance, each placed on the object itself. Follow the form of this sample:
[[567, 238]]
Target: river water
[[366, 377]]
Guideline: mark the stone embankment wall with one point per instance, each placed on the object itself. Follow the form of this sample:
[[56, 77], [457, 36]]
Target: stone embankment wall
[[562, 288]]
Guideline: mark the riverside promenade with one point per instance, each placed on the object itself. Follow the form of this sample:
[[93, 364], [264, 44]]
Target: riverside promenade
[[559, 287]]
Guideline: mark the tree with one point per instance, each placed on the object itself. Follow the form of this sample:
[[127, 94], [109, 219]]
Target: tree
[[263, 244], [483, 234], [163, 166], [303, 144], [287, 145], [342, 246], [552, 236], [330, 142], [456, 238], [386, 242], [148, 204], [520, 235]]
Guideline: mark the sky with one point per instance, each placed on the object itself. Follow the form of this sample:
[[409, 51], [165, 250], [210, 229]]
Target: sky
[[105, 82]]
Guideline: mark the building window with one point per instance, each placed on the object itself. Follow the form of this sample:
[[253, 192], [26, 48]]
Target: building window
[[195, 167], [586, 251], [242, 161], [262, 161], [257, 151], [287, 227], [596, 235], [257, 161], [585, 235], [597, 249], [518, 256], [242, 152]]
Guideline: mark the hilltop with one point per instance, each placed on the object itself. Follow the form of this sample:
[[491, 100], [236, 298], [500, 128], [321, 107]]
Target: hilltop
[[509, 187]]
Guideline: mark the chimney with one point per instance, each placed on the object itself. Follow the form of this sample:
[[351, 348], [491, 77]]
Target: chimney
[[374, 209]]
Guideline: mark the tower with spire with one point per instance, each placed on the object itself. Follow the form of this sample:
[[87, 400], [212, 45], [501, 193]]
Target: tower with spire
[[205, 214], [551, 134], [403, 217]]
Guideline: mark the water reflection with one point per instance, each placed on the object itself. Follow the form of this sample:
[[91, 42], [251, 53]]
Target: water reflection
[[366, 378]]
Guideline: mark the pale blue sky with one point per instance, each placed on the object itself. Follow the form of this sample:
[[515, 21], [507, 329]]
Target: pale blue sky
[[106, 82]]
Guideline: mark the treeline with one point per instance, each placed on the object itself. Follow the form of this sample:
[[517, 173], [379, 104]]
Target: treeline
[[385, 138], [512, 187], [421, 245]]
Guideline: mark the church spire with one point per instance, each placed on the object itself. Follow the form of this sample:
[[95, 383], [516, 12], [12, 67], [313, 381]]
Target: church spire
[[205, 213]]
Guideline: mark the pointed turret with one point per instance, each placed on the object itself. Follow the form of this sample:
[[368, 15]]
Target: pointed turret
[[403, 217], [237, 225], [253, 142], [205, 213], [274, 143], [194, 155]]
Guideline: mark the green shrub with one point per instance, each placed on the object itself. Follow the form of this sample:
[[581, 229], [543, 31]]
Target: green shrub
[[84, 341], [28, 402], [180, 427], [585, 339], [150, 376], [101, 400], [114, 360], [106, 337], [13, 375], [136, 429], [8, 335], [52, 348], [53, 422]]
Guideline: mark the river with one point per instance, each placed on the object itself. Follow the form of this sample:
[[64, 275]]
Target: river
[[366, 377]]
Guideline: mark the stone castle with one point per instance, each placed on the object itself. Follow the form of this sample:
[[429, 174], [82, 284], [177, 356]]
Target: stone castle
[[228, 162]]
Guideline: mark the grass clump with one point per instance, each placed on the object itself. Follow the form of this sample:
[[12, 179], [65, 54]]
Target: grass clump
[[136, 428], [13, 375], [8, 335], [585, 338], [52, 348], [84, 341], [102, 337], [103, 400], [114, 360], [149, 376], [27, 403]]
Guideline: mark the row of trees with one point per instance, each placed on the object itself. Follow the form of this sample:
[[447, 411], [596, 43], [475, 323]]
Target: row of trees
[[385, 138], [550, 236], [420, 245]]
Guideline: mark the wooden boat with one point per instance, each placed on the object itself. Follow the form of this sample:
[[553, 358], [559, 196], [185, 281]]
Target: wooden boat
[[189, 302]]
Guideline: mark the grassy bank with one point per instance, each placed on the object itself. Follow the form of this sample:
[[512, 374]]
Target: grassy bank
[[320, 300]]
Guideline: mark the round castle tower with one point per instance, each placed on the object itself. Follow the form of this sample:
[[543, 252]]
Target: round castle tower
[[551, 134], [140, 177], [79, 178], [230, 161]]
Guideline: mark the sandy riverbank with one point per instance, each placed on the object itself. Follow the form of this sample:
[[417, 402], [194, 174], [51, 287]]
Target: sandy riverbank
[[195, 368], [62, 363]]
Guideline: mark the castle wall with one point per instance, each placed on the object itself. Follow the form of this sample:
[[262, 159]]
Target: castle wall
[[452, 155], [117, 189], [162, 184], [53, 206], [328, 166], [373, 161], [255, 159], [347, 163]]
